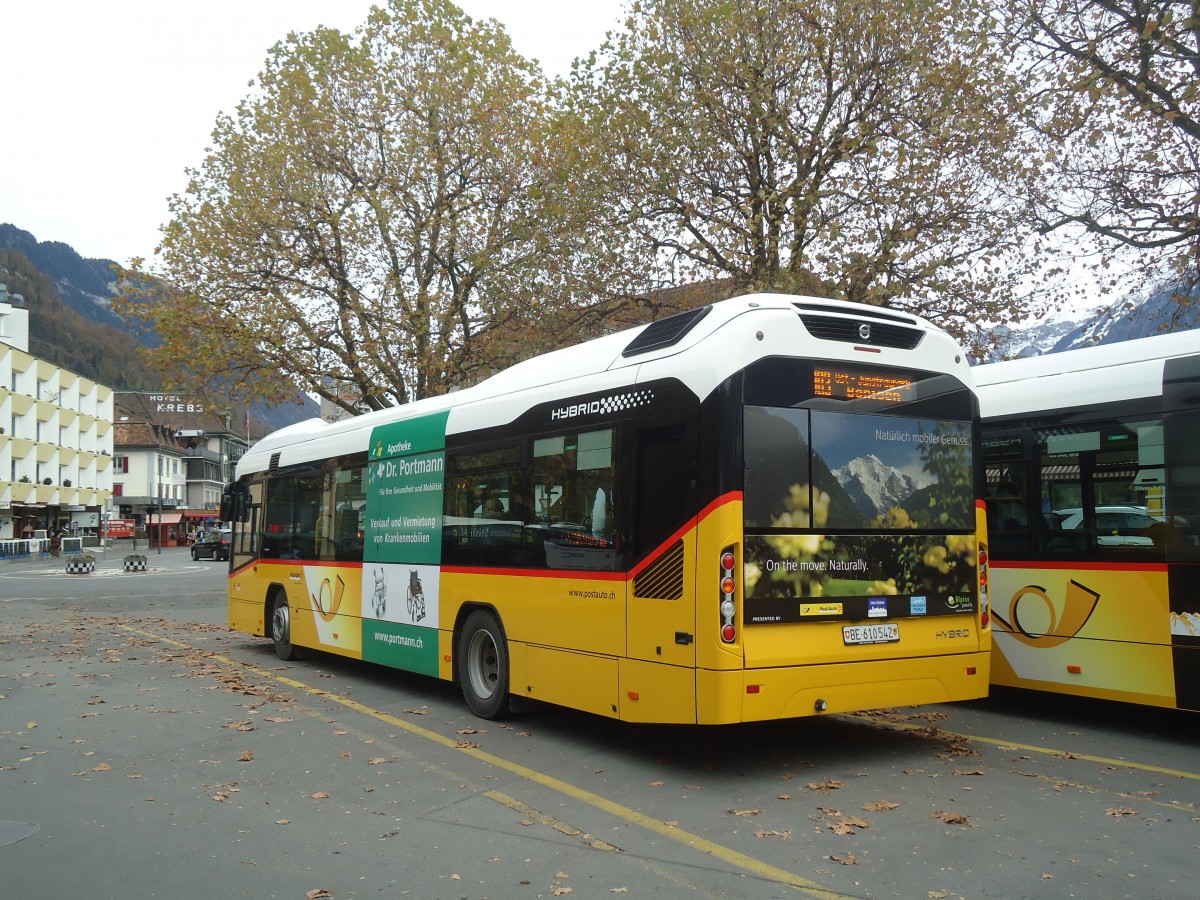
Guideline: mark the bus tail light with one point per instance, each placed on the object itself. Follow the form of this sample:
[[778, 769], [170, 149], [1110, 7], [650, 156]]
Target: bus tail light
[[985, 617], [728, 598]]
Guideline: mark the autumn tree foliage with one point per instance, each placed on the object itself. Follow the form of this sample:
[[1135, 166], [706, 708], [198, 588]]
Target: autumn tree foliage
[[864, 149], [394, 212], [372, 214], [1116, 90]]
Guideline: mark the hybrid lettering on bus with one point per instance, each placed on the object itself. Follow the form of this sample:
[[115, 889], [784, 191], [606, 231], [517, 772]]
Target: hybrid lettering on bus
[[758, 509]]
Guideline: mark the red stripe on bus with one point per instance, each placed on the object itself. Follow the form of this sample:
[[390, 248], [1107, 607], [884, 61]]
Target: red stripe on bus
[[581, 574], [723, 500], [589, 575], [323, 563], [1081, 565]]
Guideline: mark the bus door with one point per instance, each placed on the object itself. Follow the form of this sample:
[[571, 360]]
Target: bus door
[[1181, 397], [661, 620]]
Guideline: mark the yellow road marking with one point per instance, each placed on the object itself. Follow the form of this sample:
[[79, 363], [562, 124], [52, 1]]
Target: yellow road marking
[[1032, 748], [735, 858]]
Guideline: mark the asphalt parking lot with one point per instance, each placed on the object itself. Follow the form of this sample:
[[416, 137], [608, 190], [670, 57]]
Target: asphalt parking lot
[[145, 751]]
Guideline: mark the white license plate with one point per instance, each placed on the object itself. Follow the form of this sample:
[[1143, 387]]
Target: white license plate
[[883, 633]]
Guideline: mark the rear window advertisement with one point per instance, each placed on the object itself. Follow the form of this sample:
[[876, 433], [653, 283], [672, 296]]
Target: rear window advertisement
[[883, 479]]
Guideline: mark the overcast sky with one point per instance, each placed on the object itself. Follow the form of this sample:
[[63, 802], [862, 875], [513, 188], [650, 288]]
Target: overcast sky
[[106, 102]]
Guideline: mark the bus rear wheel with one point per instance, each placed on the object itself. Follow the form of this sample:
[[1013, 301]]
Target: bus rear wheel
[[281, 627], [482, 664]]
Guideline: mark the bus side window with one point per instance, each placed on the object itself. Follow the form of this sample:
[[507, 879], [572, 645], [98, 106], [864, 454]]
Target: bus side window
[[245, 527], [483, 509], [1008, 512], [573, 514], [349, 509]]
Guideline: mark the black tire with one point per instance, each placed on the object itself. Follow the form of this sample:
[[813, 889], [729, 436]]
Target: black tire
[[482, 665], [195, 555], [280, 627]]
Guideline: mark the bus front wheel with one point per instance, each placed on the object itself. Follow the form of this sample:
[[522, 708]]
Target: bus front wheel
[[281, 627], [482, 662]]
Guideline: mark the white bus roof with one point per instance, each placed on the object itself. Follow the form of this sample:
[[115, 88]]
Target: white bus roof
[[1128, 370], [772, 327]]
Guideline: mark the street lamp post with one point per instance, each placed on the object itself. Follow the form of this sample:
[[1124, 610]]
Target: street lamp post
[[160, 517]]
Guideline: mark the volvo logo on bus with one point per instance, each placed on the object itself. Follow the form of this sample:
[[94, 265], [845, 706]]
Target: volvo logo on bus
[[631, 399], [864, 331]]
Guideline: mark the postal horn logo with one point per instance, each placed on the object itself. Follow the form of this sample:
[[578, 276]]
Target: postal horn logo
[[328, 599], [1063, 621]]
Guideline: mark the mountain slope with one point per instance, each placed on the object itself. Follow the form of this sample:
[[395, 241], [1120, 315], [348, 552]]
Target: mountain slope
[[72, 325], [1134, 316], [84, 285], [874, 486], [59, 334]]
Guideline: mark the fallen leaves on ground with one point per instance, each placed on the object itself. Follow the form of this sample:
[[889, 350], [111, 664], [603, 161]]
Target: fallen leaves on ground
[[955, 744], [880, 806], [849, 825], [951, 817], [831, 785], [764, 833]]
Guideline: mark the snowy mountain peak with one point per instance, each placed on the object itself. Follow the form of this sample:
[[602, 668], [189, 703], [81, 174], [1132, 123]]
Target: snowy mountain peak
[[874, 486], [1133, 316]]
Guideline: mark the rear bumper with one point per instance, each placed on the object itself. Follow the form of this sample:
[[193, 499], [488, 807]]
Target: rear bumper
[[755, 695]]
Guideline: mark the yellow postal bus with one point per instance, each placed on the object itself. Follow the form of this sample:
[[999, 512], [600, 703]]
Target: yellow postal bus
[[758, 509], [1092, 464]]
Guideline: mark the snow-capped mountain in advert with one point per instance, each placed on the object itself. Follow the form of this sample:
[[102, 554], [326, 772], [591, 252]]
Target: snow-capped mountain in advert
[[873, 486]]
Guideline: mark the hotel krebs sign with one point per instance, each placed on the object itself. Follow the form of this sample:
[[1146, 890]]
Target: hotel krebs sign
[[175, 403]]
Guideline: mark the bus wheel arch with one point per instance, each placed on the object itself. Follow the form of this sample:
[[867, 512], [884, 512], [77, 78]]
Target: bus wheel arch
[[482, 663], [279, 623]]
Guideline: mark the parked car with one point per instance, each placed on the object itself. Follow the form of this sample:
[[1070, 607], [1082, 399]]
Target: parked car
[[1116, 526], [213, 545]]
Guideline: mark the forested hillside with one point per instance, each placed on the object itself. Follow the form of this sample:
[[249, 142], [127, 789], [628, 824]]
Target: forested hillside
[[61, 335], [84, 285], [72, 325]]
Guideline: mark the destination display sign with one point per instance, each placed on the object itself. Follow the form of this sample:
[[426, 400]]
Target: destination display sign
[[844, 383]]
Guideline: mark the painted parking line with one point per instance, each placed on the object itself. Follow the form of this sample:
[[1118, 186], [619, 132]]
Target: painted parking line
[[753, 866], [1032, 748]]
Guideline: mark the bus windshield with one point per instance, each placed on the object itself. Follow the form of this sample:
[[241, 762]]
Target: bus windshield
[[871, 514]]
